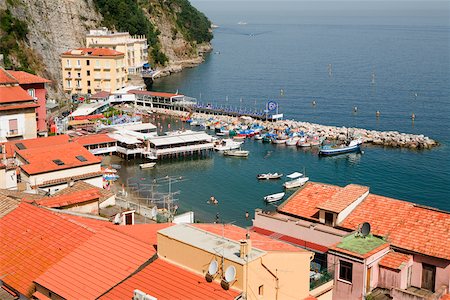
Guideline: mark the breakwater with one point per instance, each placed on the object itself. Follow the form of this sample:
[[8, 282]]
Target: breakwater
[[393, 139]]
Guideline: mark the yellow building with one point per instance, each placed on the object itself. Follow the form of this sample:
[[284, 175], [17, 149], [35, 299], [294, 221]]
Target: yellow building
[[91, 70], [135, 48], [255, 265]]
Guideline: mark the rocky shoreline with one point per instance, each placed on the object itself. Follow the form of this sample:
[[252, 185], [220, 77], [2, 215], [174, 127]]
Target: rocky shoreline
[[392, 139]]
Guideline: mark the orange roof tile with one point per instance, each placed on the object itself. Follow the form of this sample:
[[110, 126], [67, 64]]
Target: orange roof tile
[[32, 239], [446, 297], [18, 106], [164, 280], [40, 296], [71, 178], [259, 241], [6, 78], [93, 139], [102, 262], [94, 52], [70, 199], [10, 94], [395, 260], [304, 202], [41, 160], [146, 233], [343, 198], [27, 78], [11, 147], [83, 186]]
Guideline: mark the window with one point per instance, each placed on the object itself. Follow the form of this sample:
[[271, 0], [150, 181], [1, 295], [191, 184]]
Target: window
[[58, 162], [13, 126], [328, 219], [69, 74], [88, 73], [32, 92], [97, 63], [261, 290], [78, 63], [345, 270], [81, 158], [69, 84], [68, 63], [87, 62], [79, 75], [88, 83]]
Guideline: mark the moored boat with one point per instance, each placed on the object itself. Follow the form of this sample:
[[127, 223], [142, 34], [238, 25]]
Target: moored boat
[[274, 197], [147, 165], [352, 146], [227, 144], [292, 141], [269, 176], [238, 153], [295, 183]]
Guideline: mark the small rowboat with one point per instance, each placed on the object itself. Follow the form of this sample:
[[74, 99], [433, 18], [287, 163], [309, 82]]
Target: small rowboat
[[238, 153], [269, 176], [147, 165], [274, 197]]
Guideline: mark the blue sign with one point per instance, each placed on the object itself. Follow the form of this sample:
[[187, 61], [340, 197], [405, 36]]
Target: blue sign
[[272, 105]]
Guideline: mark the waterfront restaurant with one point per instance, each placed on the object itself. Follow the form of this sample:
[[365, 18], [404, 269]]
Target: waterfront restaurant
[[179, 144], [163, 100]]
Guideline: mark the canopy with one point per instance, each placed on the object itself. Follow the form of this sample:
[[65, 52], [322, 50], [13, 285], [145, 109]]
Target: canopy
[[294, 175]]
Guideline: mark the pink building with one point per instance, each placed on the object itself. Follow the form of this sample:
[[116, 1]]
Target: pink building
[[407, 255], [35, 86]]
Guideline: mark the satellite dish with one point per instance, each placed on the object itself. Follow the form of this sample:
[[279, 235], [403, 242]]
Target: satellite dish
[[230, 274], [365, 229], [153, 212], [213, 267]]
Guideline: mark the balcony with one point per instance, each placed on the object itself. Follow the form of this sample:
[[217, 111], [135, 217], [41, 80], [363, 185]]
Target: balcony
[[97, 67], [14, 133], [77, 67], [68, 67], [106, 67], [68, 76]]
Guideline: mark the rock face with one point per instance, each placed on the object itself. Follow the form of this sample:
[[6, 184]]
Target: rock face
[[58, 25]]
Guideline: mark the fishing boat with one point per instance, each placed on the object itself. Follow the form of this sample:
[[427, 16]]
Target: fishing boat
[[279, 140], [304, 142], [352, 146], [292, 141], [274, 197], [239, 137], [258, 137], [227, 144], [269, 176], [238, 153], [147, 165]]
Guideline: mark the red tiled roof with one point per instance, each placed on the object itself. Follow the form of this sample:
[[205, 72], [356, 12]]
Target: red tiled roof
[[6, 78], [164, 280], [343, 198], [259, 241], [93, 139], [19, 106], [27, 78], [9, 94], [154, 94], [146, 233], [446, 297], [304, 202], [32, 239], [102, 262], [94, 52], [40, 296], [11, 147], [71, 178], [395, 260], [101, 95], [83, 186], [41, 160], [70, 199]]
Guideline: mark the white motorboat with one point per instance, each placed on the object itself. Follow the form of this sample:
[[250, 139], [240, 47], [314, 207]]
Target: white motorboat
[[227, 144], [238, 153], [274, 197], [303, 142], [352, 146], [269, 176], [147, 165], [292, 141], [258, 137], [296, 182]]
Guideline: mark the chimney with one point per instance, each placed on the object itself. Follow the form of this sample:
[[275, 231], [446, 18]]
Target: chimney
[[245, 247]]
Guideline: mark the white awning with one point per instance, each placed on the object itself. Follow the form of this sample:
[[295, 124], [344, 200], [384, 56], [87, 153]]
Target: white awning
[[180, 138]]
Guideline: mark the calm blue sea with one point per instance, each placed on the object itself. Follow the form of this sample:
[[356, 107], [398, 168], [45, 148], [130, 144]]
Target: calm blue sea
[[393, 57]]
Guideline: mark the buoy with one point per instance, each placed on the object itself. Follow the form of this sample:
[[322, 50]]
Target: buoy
[[246, 215], [314, 102], [413, 116], [355, 109], [377, 113]]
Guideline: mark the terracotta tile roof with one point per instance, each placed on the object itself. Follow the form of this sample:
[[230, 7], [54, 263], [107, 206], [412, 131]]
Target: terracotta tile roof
[[70, 199], [259, 241], [310, 298], [6, 78], [41, 160], [93, 52], [343, 198], [82, 186], [18, 106], [445, 297], [7, 204], [10, 94], [27, 78], [102, 262], [154, 94], [11, 147], [32, 239], [164, 280], [40, 296], [71, 178], [395, 260], [146, 233], [93, 139], [101, 95], [18, 195], [304, 202]]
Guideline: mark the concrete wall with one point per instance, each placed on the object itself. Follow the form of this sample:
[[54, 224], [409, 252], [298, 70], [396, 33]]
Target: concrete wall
[[108, 202], [442, 270], [8, 179], [389, 278], [26, 123], [41, 112], [87, 207], [343, 289]]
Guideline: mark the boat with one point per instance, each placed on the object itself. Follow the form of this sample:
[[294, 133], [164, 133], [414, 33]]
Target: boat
[[274, 197], [292, 141], [239, 137], [258, 137], [227, 144], [147, 165], [269, 176], [303, 142], [329, 150], [279, 140], [242, 23], [238, 153], [296, 182]]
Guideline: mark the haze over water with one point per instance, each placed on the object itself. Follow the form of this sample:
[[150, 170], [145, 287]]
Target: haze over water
[[288, 46]]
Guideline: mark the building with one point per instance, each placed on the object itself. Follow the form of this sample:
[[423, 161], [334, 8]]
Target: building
[[135, 48], [52, 168], [36, 87], [91, 70], [406, 257], [17, 110]]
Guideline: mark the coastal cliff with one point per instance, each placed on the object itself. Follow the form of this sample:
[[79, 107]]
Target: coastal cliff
[[33, 33]]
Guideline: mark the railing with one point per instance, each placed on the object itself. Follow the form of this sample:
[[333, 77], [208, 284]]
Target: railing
[[318, 279], [183, 149], [13, 132]]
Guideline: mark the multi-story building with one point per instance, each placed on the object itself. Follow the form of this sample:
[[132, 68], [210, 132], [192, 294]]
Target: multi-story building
[[135, 48], [17, 110], [91, 70]]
